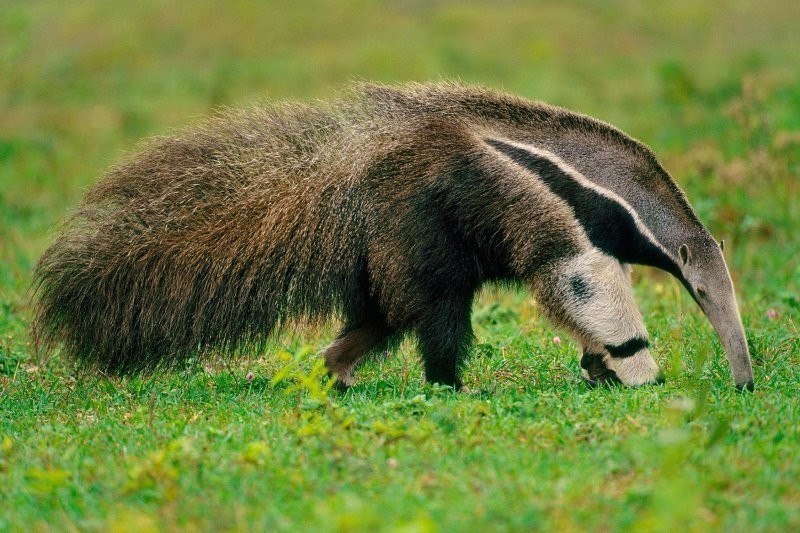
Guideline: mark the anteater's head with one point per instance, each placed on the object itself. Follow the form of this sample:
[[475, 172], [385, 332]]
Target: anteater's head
[[706, 276]]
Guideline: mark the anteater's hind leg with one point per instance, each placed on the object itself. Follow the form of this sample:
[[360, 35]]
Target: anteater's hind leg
[[364, 331], [591, 295], [445, 335], [350, 347]]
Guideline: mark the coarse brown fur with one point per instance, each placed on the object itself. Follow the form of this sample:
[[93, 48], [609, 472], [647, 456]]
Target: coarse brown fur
[[384, 208]]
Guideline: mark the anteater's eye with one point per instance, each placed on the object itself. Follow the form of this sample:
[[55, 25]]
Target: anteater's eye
[[701, 291]]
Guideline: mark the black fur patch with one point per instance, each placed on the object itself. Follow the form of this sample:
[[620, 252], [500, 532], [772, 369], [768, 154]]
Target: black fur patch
[[627, 348], [580, 288], [598, 372], [609, 226]]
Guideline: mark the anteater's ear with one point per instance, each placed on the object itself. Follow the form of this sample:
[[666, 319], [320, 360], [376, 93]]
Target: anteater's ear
[[722, 245], [686, 256]]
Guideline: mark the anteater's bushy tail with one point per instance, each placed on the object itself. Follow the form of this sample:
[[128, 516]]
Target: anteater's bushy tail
[[210, 238]]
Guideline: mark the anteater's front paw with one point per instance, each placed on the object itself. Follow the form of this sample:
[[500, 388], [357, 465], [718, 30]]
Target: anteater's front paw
[[600, 369], [594, 372], [635, 370]]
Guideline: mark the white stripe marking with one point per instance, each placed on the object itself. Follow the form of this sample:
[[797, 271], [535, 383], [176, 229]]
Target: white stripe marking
[[584, 181]]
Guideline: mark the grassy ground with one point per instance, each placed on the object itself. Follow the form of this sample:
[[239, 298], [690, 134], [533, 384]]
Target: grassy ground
[[713, 87]]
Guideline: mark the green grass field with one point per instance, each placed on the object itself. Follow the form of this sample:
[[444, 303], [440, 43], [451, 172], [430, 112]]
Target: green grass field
[[713, 87]]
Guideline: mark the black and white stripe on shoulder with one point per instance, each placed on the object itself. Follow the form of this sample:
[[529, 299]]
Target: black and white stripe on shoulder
[[610, 224]]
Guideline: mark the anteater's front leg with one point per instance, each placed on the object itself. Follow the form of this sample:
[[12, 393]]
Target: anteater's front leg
[[591, 295], [445, 335]]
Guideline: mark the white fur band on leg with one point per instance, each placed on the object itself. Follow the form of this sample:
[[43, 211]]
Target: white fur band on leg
[[638, 369]]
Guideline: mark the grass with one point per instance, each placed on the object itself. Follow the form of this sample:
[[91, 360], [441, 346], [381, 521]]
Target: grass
[[714, 91]]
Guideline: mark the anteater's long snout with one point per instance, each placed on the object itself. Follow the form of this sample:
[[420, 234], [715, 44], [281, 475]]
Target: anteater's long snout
[[724, 316]]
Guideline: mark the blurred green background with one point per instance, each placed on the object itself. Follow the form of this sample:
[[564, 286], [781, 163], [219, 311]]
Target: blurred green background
[[712, 87]]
